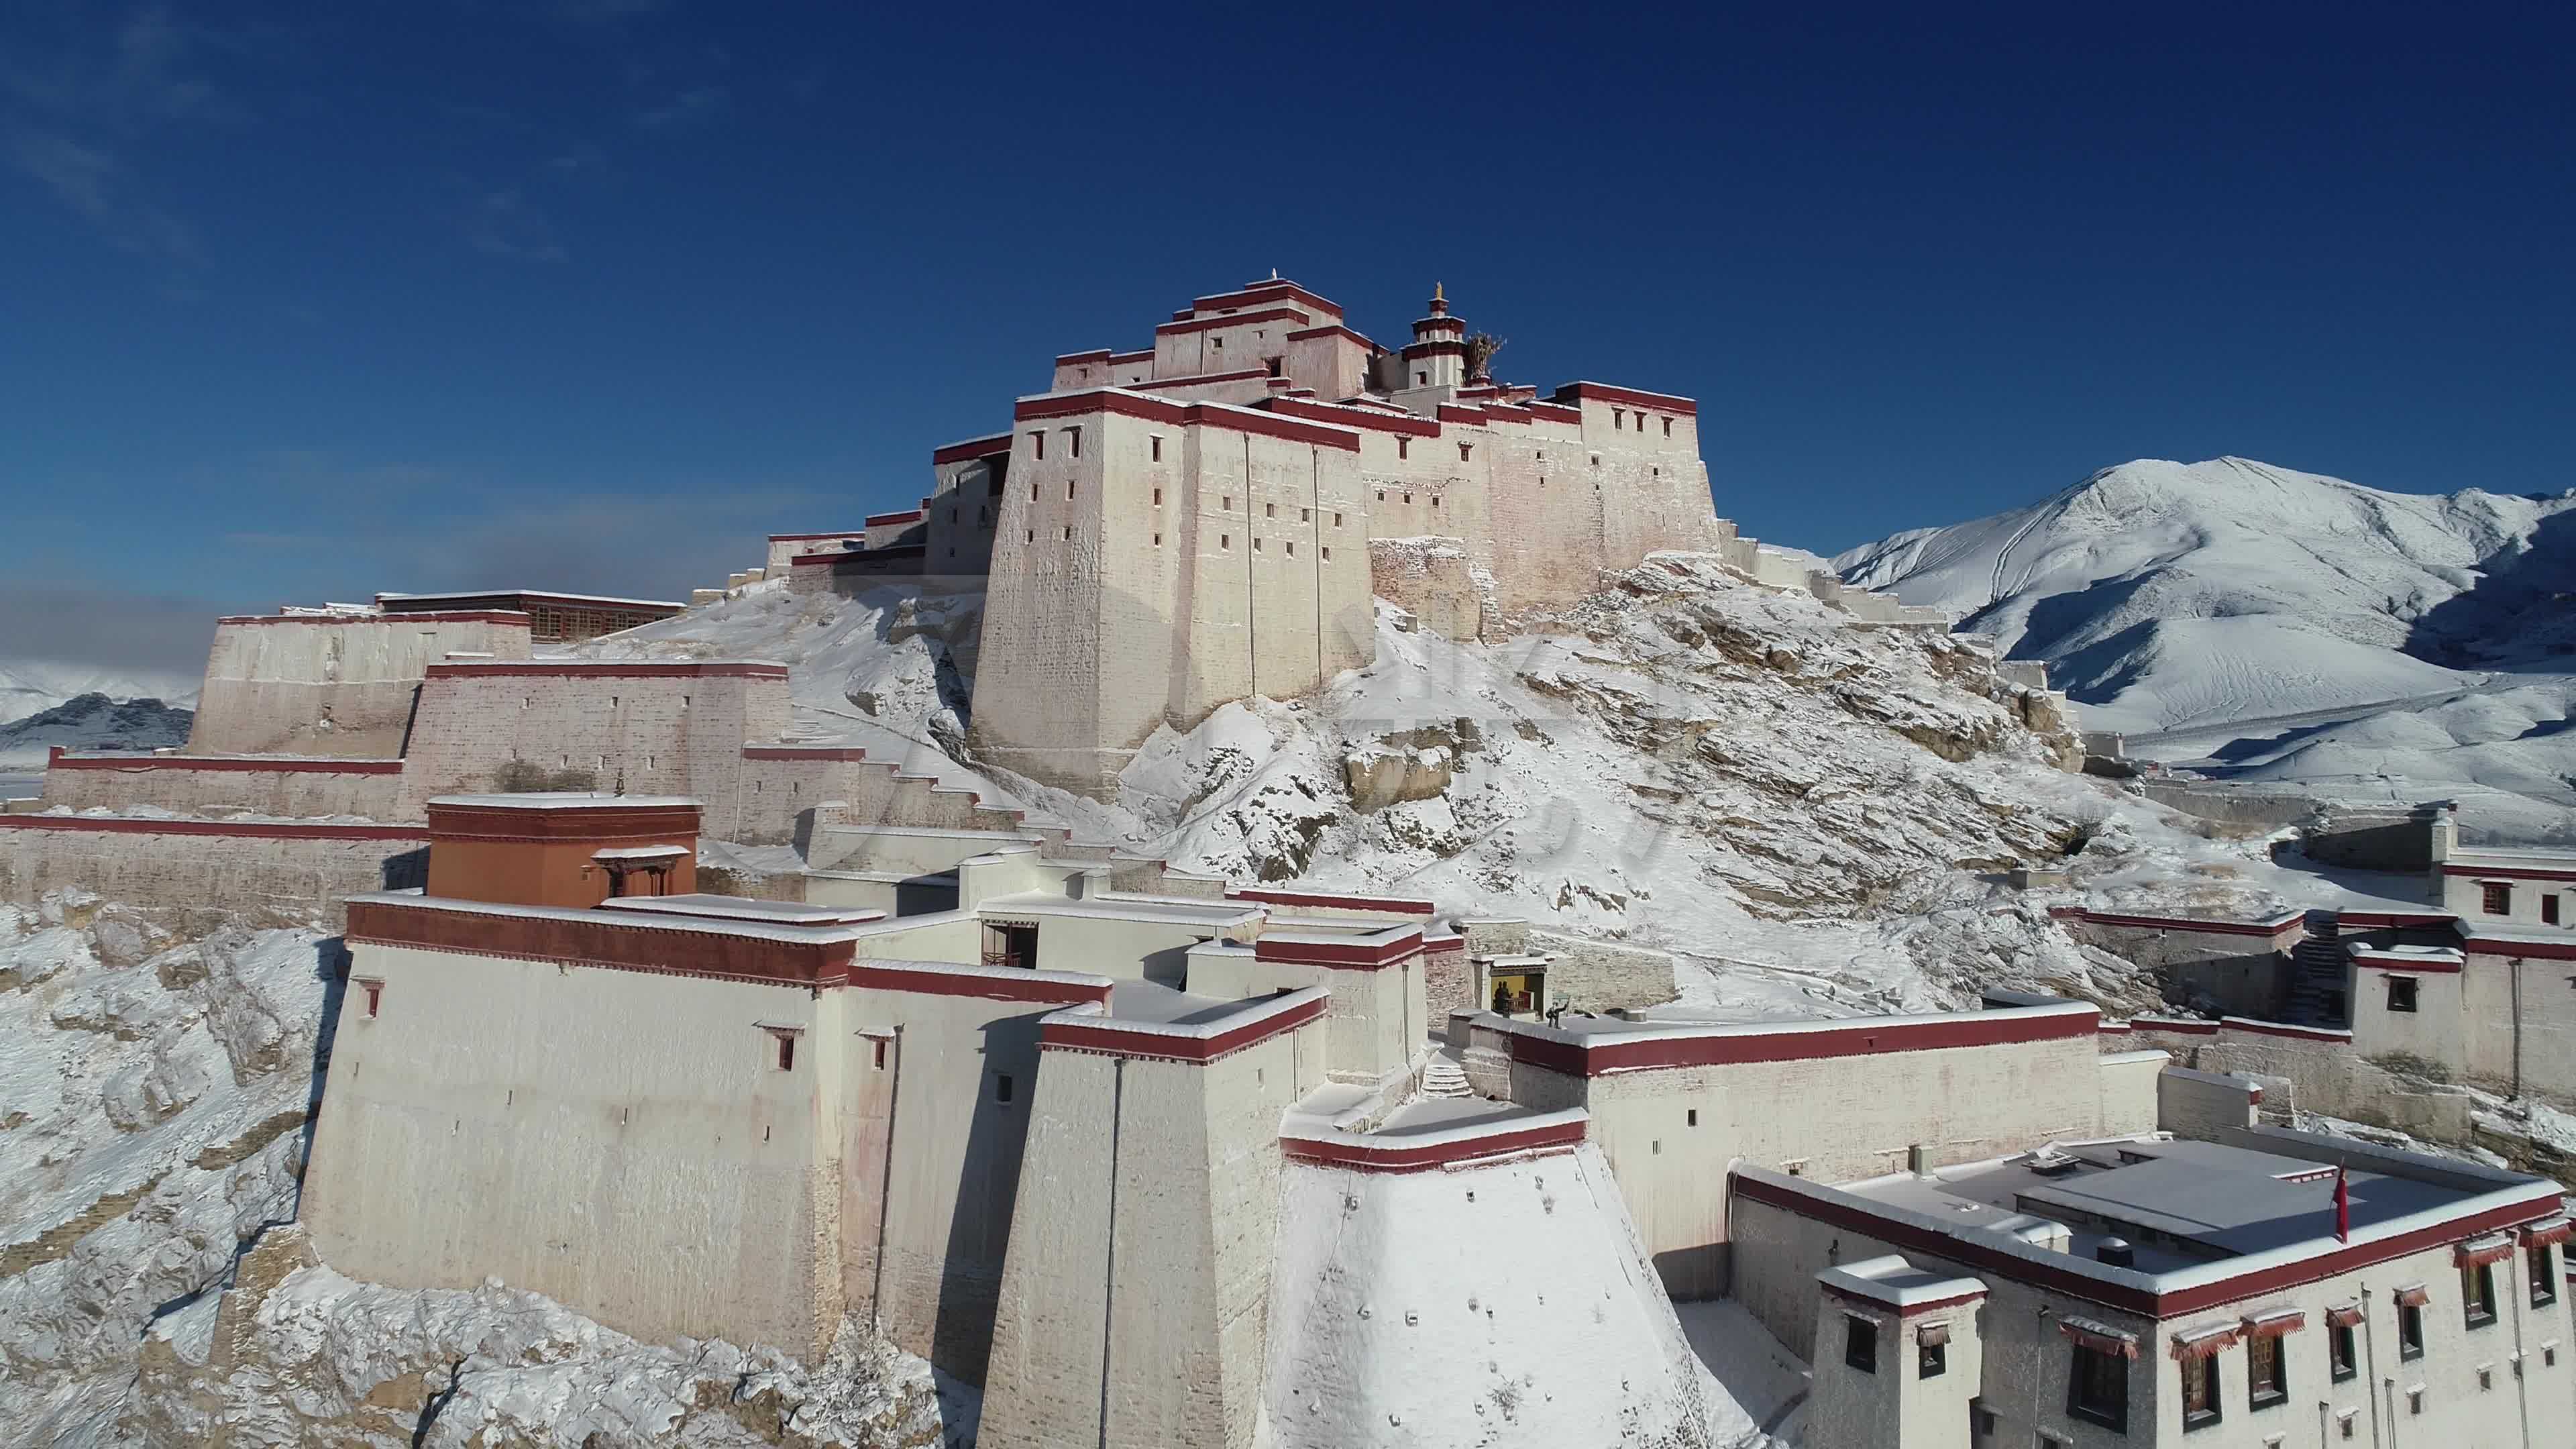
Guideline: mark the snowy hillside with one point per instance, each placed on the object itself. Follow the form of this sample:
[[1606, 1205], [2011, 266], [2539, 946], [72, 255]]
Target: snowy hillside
[[2281, 625], [32, 686], [92, 722], [1811, 812]]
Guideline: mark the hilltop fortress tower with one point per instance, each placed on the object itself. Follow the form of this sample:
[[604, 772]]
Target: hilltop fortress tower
[[1207, 518]]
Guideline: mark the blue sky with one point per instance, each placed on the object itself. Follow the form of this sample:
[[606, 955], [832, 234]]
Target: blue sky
[[592, 294]]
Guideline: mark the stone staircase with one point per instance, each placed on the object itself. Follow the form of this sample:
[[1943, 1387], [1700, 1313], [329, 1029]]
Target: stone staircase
[[1445, 1078], [2318, 972]]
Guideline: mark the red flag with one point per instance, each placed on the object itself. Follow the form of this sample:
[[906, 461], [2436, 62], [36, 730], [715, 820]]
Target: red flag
[[2343, 1208]]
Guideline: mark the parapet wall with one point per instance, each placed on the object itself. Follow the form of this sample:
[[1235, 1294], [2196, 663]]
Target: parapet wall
[[275, 785], [644, 728], [292, 870], [2316, 1069], [332, 684]]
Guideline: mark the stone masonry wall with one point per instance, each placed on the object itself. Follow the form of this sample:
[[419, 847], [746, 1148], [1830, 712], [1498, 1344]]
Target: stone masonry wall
[[1430, 578], [1603, 975], [190, 786], [322, 684], [290, 872]]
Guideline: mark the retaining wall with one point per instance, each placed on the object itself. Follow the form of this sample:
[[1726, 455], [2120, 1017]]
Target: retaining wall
[[295, 870], [276, 785]]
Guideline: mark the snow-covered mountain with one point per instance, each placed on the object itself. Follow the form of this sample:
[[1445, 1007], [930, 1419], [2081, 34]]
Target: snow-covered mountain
[[2285, 625], [92, 722], [32, 686]]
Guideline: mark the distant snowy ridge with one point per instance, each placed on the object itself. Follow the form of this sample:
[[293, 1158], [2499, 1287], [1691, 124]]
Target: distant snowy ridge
[[2283, 626], [32, 686], [2170, 594], [92, 722]]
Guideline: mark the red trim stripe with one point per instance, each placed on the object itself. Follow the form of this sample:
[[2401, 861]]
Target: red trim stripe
[[608, 669], [1355, 1153], [1582, 392], [1595, 1055], [1209, 324], [1112, 1038], [1399, 905], [453, 616], [966, 452], [1159, 410], [244, 829], [297, 765]]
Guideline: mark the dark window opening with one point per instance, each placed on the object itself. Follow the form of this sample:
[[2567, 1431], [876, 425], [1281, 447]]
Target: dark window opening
[[2097, 1388], [1158, 457], [2410, 1331], [1037, 444], [1002, 1088], [2339, 1352], [2200, 1405], [881, 1046], [1403, 449], [2549, 910], [2477, 1294], [2267, 1372], [1860, 1344], [1466, 451], [1013, 947], [1931, 1360], [1274, 364], [2401, 993], [2496, 898], [786, 1051], [2541, 1261], [1668, 427], [376, 1000]]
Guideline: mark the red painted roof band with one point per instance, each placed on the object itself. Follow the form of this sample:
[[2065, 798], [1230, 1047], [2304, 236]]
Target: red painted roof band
[[1595, 1055], [1111, 1038], [607, 669], [1159, 410], [1905, 1310], [968, 452], [1375, 422], [1263, 292], [1334, 329], [844, 533], [244, 829], [300, 765], [1558, 1136], [2293, 921], [1209, 324], [1858, 1215], [454, 616], [803, 752], [2532, 950], [1393, 904], [1604, 393], [2471, 872]]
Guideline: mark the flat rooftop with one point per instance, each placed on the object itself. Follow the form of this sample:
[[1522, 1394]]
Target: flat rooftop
[[2178, 1202], [743, 908], [1151, 1001]]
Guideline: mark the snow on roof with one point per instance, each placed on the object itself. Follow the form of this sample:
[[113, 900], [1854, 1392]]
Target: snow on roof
[[1165, 911], [1897, 1283], [743, 908], [531, 594], [1157, 1010], [640, 852], [566, 800]]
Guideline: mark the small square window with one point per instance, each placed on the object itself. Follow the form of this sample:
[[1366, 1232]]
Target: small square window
[[1931, 1360], [1860, 1344], [1337, 520], [1002, 1088], [2486, 1377], [2414, 1401], [1068, 490], [1668, 427], [1381, 495], [2496, 898], [1158, 498], [2410, 1331], [1465, 451], [1408, 498], [1693, 1115], [2542, 1262], [1981, 1420], [1033, 536], [1270, 510], [1157, 442], [1305, 515], [1292, 548], [1073, 441], [1256, 545], [375, 991], [2401, 993], [1037, 444], [2267, 1372], [1158, 540], [1225, 542], [1328, 553], [2549, 910], [1226, 504], [786, 1041], [1403, 447], [2341, 1363], [1068, 533]]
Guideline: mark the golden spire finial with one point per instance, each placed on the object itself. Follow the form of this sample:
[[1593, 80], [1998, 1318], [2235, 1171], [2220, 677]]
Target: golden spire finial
[[1435, 293]]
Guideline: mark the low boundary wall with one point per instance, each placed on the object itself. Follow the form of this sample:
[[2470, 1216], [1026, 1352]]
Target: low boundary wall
[[301, 870], [285, 786]]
